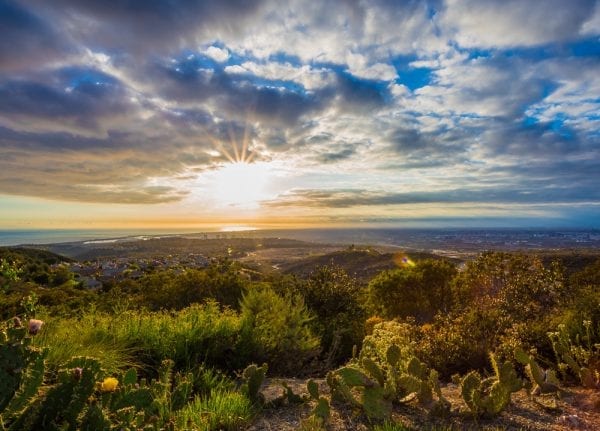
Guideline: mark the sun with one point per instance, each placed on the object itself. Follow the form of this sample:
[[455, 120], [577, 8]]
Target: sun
[[240, 184], [237, 180]]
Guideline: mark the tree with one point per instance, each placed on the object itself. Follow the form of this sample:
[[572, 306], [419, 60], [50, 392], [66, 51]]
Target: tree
[[334, 297], [419, 291]]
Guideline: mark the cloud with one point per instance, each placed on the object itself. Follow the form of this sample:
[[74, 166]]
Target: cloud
[[489, 23], [218, 54], [143, 27], [27, 39], [365, 103], [348, 198]]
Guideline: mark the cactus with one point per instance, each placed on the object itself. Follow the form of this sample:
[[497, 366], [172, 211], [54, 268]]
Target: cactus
[[423, 382], [32, 379], [417, 381], [566, 354], [289, 395], [322, 410], [21, 371], [17, 357], [374, 387], [488, 397], [94, 419], [542, 381], [313, 389], [253, 378], [77, 399], [373, 398]]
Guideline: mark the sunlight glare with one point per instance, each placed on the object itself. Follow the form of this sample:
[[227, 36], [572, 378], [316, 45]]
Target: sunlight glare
[[240, 184]]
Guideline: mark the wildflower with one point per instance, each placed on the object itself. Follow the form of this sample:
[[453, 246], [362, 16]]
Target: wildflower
[[34, 326], [109, 384]]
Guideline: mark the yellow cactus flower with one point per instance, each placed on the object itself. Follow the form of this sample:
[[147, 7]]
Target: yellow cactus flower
[[109, 384]]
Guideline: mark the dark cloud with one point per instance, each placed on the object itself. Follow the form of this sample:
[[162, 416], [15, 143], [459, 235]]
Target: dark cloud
[[147, 26], [27, 39], [79, 98], [548, 193], [360, 94]]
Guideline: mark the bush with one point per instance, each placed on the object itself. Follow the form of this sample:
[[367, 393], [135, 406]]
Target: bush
[[220, 282], [276, 330], [334, 297], [419, 291], [517, 285]]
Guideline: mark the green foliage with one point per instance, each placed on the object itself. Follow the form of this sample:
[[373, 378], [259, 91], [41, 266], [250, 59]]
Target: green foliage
[[578, 355], [335, 299], [221, 282], [488, 397], [222, 410], [420, 291], [9, 273], [517, 285], [21, 370], [200, 333], [276, 330]]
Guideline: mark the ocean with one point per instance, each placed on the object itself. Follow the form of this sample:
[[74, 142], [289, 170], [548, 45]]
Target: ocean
[[423, 239]]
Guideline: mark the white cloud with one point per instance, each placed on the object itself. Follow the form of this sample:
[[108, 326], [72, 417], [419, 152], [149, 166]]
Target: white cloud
[[478, 23], [357, 66], [310, 78], [220, 55]]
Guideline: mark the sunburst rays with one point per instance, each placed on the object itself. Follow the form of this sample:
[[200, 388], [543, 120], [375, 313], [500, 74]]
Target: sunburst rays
[[237, 152]]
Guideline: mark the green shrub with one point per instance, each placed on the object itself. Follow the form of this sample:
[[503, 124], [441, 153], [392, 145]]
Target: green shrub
[[419, 291], [335, 299], [276, 330], [220, 282]]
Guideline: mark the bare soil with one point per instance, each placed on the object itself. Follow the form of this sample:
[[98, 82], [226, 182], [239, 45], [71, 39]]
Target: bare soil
[[576, 409]]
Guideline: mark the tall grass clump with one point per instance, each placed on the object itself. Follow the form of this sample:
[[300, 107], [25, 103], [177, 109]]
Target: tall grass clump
[[198, 334], [222, 410], [65, 338], [194, 335]]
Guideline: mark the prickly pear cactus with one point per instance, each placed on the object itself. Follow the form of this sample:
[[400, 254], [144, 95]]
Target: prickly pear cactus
[[21, 371], [313, 389], [16, 357], [576, 357], [253, 378], [542, 381], [490, 396], [322, 410]]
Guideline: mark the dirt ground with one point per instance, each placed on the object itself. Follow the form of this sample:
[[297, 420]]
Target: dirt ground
[[576, 409]]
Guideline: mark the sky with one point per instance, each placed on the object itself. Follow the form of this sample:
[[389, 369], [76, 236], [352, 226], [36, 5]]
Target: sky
[[167, 113]]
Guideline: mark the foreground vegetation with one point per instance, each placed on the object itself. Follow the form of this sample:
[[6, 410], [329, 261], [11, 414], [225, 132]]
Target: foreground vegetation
[[174, 349]]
